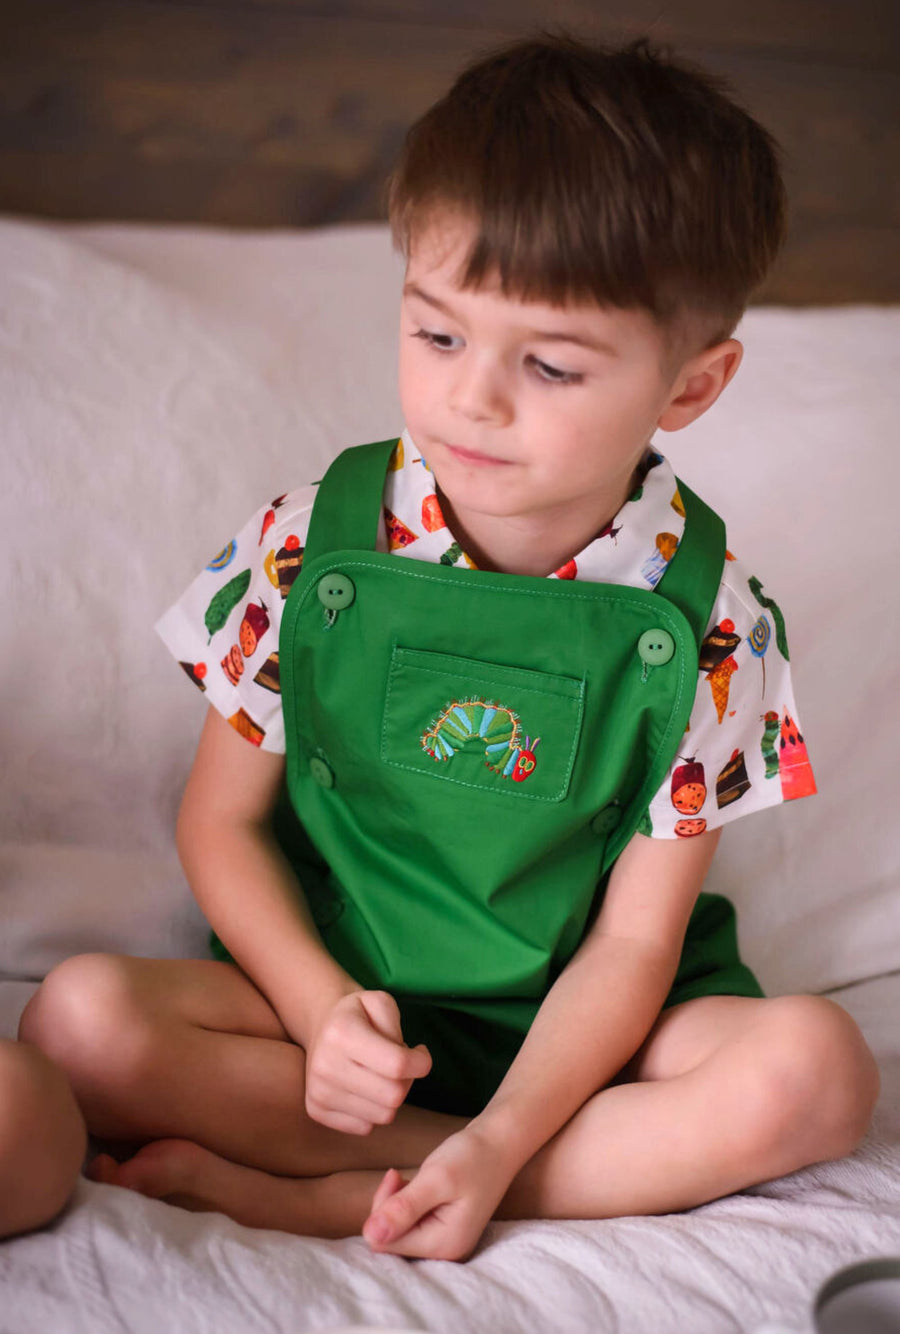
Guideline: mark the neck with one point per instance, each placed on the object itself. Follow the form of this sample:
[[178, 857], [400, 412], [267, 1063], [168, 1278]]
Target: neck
[[525, 544]]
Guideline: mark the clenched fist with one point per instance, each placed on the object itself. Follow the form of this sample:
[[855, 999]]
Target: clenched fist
[[358, 1068]]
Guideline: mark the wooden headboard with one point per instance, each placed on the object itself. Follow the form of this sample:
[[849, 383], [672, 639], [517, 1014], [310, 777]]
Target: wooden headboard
[[284, 113]]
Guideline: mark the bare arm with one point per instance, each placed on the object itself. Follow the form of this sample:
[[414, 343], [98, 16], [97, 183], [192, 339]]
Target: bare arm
[[243, 883], [606, 1000], [358, 1069]]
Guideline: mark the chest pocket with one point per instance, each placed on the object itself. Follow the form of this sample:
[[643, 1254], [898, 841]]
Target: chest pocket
[[504, 730]]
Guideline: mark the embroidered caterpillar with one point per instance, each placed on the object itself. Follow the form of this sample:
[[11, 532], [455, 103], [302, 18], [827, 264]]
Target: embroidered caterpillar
[[498, 727]]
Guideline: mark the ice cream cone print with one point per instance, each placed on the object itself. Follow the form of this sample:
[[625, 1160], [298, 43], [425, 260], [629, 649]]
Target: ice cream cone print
[[396, 462], [796, 773], [719, 665], [720, 684]]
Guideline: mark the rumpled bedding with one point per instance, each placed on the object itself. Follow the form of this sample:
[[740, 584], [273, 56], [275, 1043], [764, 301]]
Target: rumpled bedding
[[157, 385]]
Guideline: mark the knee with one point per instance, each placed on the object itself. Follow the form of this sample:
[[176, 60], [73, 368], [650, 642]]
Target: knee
[[79, 1013], [42, 1138], [822, 1080]]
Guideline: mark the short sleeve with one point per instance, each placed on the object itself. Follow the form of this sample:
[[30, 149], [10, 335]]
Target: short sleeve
[[223, 631], [743, 750]]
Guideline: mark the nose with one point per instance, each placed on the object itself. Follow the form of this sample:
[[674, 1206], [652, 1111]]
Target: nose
[[479, 390]]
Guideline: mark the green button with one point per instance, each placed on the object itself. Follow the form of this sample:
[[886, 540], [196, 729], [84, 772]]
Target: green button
[[336, 591], [605, 821], [321, 771], [656, 647]]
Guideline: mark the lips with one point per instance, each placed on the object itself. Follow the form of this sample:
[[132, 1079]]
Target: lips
[[475, 458]]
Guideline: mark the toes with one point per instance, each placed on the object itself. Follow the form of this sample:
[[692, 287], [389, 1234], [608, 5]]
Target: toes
[[158, 1170], [103, 1168]]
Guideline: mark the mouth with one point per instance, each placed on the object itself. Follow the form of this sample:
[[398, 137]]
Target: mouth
[[475, 458]]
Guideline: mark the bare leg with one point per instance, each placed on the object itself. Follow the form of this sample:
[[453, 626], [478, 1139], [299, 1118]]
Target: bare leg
[[725, 1093], [157, 1048], [42, 1139], [189, 1176], [728, 1092]]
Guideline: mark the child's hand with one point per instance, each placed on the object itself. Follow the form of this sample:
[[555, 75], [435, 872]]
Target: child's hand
[[358, 1068], [441, 1213]]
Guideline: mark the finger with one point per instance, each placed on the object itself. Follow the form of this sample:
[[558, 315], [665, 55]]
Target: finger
[[326, 1098], [430, 1239], [390, 1183], [384, 1014], [375, 1088], [399, 1214], [387, 1058], [337, 1120]]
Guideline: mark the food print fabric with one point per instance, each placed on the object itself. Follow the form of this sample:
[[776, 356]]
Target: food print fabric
[[743, 749]]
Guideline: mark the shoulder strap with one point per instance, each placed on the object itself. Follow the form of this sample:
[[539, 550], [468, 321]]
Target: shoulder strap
[[694, 573], [347, 508]]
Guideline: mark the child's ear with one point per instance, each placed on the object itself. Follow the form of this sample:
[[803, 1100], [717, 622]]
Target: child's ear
[[699, 383]]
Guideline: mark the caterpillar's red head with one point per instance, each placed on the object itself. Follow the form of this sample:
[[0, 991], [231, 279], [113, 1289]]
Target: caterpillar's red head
[[525, 764]]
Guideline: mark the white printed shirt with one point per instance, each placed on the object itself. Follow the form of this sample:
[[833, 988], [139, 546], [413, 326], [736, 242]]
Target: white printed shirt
[[742, 751]]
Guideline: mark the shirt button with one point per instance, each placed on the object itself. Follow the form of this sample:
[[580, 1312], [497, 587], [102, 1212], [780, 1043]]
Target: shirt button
[[336, 591], [321, 771], [656, 648], [605, 821]]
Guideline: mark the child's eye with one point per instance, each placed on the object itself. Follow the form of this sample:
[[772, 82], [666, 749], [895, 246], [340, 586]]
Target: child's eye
[[552, 374], [439, 341]]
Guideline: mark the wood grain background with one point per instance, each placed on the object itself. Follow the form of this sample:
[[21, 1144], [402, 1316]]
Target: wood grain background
[[274, 113]]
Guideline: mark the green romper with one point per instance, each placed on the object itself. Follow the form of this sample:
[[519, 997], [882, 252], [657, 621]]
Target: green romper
[[468, 753]]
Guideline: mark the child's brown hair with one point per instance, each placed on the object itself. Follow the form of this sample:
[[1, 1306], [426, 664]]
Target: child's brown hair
[[594, 173]]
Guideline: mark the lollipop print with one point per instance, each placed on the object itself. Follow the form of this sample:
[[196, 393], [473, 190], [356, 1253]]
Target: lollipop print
[[771, 605], [758, 639]]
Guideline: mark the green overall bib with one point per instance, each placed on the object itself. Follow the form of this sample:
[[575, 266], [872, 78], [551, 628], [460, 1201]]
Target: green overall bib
[[468, 753]]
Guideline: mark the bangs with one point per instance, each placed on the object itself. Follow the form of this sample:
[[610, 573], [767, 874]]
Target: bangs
[[597, 176]]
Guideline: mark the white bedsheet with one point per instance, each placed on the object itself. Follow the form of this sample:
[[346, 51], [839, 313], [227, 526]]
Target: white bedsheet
[[119, 1264], [159, 384]]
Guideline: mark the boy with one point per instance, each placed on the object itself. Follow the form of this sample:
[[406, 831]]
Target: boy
[[460, 930]]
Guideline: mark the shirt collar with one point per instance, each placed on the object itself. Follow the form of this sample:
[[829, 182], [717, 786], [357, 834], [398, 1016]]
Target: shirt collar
[[633, 549]]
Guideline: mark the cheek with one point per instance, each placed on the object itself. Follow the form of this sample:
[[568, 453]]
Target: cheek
[[414, 384]]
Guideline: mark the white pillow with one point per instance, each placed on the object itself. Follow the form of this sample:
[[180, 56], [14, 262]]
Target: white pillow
[[159, 384]]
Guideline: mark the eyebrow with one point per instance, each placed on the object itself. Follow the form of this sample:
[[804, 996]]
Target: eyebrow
[[580, 339]]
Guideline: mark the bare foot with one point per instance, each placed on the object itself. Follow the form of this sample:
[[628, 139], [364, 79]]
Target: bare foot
[[175, 1170], [187, 1175]]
